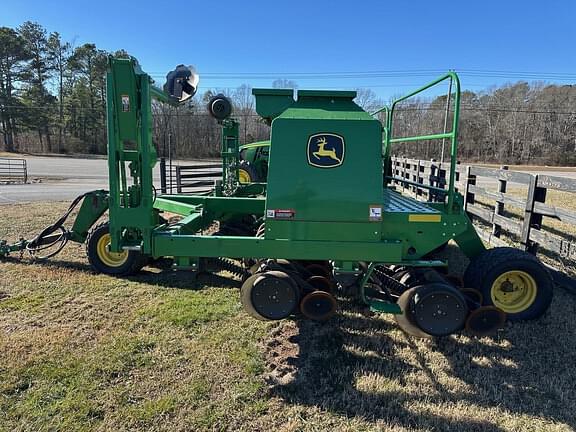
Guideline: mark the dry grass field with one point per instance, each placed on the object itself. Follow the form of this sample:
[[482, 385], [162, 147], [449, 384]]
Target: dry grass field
[[158, 352]]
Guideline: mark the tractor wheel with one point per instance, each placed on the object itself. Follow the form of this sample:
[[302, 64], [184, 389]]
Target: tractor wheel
[[272, 295], [103, 261], [247, 173], [512, 280]]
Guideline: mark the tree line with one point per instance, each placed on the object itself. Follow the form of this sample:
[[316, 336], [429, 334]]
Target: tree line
[[52, 100], [520, 123]]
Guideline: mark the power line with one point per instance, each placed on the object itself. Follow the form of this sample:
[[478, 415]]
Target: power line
[[462, 108], [383, 73]]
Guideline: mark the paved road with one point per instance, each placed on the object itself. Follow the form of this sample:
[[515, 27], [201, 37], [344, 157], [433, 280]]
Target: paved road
[[63, 179], [60, 179]]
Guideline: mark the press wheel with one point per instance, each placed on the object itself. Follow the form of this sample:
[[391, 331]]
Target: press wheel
[[439, 309], [271, 295], [320, 283], [474, 296], [318, 305], [406, 319], [485, 320]]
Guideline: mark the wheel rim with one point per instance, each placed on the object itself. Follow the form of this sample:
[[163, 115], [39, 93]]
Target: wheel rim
[[439, 309], [243, 176], [514, 291], [274, 297], [111, 259]]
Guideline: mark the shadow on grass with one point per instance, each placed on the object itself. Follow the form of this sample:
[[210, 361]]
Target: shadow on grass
[[159, 274], [353, 366]]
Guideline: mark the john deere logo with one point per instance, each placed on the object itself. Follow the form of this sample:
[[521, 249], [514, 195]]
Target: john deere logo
[[325, 150]]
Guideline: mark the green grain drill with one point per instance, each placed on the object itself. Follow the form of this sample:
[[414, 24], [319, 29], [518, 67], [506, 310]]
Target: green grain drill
[[305, 218]]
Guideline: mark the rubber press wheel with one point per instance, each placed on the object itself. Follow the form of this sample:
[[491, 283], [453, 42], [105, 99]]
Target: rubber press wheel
[[103, 261], [439, 309], [406, 320], [514, 281], [272, 295], [318, 305]]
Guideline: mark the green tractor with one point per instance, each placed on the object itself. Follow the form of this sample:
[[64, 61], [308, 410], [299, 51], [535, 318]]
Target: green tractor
[[254, 162], [322, 220]]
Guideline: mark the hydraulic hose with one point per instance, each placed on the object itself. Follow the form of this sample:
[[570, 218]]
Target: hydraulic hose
[[37, 244]]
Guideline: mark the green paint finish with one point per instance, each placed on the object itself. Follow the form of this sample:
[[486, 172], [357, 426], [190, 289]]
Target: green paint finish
[[166, 244], [384, 307], [174, 206], [270, 103], [219, 205], [327, 198], [93, 207], [129, 98]]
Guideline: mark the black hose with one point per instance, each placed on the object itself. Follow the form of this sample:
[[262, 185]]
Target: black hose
[[36, 244]]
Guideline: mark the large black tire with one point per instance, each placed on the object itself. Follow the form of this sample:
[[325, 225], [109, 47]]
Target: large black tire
[[512, 280], [247, 173], [103, 261]]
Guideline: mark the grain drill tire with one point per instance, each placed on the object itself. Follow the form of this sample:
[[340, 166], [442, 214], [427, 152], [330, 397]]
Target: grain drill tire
[[512, 280], [103, 261]]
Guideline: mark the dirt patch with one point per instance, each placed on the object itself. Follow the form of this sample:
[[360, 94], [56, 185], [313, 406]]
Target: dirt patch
[[282, 353]]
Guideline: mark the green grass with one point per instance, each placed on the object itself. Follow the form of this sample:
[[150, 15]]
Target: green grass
[[158, 352]]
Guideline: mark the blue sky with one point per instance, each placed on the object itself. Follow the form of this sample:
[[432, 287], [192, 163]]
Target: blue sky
[[322, 37]]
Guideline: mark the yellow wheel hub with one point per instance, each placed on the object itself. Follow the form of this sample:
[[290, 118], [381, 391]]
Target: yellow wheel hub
[[111, 259], [244, 177], [514, 291]]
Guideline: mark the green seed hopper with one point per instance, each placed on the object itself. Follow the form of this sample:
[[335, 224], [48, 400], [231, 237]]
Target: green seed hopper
[[326, 223]]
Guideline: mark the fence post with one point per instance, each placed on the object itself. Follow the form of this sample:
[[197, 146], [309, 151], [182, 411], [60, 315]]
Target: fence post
[[433, 183], [25, 166], [470, 181], [412, 177], [163, 175], [404, 174], [531, 219], [418, 189], [442, 181], [178, 180], [499, 207]]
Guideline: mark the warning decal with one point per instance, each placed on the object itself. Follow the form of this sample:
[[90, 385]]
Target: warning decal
[[280, 213], [125, 103], [375, 213]]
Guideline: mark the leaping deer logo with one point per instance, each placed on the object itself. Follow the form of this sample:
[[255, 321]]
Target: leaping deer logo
[[323, 152]]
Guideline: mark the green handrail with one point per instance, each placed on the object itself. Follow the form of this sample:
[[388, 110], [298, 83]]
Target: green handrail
[[452, 135]]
